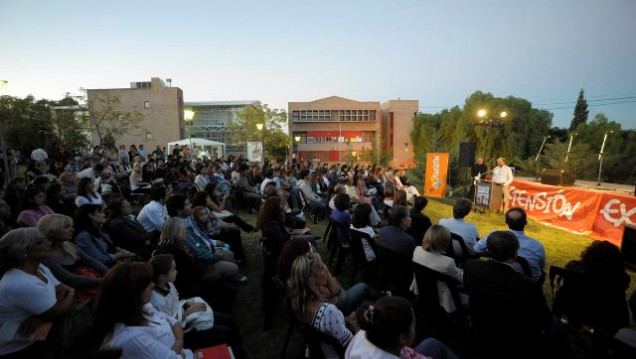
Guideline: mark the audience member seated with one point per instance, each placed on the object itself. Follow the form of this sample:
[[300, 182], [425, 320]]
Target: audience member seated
[[13, 195], [91, 238], [341, 216], [29, 293], [595, 298], [215, 228], [457, 225], [420, 222], [126, 232], [165, 299], [389, 194], [394, 236], [529, 248], [431, 255], [317, 203], [361, 222], [313, 292], [271, 221], [387, 328], [55, 199], [218, 209], [68, 180], [154, 213], [70, 265], [195, 280], [508, 310], [626, 335], [86, 193], [32, 207], [5, 218], [137, 184], [125, 319], [218, 262], [248, 192], [400, 198]]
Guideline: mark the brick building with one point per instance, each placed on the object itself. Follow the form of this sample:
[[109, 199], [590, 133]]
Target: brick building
[[160, 104], [335, 128]]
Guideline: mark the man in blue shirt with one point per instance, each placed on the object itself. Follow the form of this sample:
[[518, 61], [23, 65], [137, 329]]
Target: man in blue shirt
[[457, 225], [529, 248]]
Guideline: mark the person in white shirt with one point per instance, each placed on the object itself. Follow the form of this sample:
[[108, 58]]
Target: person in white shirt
[[387, 329], [502, 175], [153, 214], [125, 319], [29, 293]]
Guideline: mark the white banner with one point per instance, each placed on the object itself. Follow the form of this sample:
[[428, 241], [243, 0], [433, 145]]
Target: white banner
[[255, 151]]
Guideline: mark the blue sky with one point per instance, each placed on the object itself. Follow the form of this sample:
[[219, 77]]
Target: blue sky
[[435, 51]]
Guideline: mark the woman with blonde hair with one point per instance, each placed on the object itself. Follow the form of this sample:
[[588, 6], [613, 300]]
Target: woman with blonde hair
[[431, 255], [311, 289], [70, 265]]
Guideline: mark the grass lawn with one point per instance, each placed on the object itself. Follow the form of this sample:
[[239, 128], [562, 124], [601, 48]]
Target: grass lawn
[[561, 246]]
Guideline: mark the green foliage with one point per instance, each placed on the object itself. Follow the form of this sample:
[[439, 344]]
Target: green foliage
[[580, 112], [68, 125], [105, 119], [26, 123], [275, 141]]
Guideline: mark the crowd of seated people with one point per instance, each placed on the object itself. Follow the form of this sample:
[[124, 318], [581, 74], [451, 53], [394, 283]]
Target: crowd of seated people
[[76, 240]]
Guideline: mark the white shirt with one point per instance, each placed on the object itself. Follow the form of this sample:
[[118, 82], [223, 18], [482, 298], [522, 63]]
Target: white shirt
[[22, 296], [502, 175], [361, 348], [152, 341], [441, 264], [168, 304], [368, 250], [152, 216]]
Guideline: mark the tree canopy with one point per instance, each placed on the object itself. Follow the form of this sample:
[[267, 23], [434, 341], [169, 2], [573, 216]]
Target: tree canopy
[[244, 124], [580, 112], [107, 121]]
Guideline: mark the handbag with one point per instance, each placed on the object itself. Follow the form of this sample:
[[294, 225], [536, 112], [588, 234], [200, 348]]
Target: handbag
[[199, 321]]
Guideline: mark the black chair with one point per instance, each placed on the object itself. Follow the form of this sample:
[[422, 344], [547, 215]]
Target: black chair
[[340, 245], [459, 258], [314, 338], [273, 288], [358, 255], [306, 208], [396, 273], [328, 232], [428, 296], [525, 266]]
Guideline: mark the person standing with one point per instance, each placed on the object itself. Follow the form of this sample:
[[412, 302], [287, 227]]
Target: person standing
[[477, 173], [502, 176]]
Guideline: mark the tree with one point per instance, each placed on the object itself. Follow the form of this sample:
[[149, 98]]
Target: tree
[[106, 120], [26, 123], [580, 112], [67, 122], [275, 140]]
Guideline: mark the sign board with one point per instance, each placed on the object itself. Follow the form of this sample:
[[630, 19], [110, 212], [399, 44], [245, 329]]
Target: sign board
[[255, 151]]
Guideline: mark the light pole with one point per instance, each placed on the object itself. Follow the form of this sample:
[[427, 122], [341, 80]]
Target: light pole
[[297, 138], [259, 127], [536, 158], [567, 154], [188, 116], [600, 157]]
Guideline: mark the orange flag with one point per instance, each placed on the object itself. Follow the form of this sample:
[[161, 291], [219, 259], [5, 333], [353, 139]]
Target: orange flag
[[436, 172]]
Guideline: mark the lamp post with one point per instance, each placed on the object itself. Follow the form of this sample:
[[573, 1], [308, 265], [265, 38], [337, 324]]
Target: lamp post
[[259, 127], [297, 139], [600, 157], [567, 154], [188, 116], [536, 158]]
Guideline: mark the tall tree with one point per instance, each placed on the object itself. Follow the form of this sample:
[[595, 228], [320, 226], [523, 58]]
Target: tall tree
[[107, 120], [275, 140], [580, 111]]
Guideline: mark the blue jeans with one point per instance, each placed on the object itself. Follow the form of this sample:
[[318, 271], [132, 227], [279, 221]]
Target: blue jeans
[[358, 294], [432, 347]]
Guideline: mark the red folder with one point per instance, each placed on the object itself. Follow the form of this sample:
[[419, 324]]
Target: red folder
[[221, 351]]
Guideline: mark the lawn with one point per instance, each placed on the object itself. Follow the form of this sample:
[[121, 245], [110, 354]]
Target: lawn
[[561, 246]]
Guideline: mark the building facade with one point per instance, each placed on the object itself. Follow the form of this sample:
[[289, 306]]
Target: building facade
[[211, 119], [161, 106], [336, 129]]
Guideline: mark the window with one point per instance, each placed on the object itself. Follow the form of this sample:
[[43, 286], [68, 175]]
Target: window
[[146, 104]]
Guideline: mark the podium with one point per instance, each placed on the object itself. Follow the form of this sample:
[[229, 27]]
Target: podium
[[496, 196], [488, 195]]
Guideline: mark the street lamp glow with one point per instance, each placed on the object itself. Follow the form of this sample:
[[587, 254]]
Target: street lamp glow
[[503, 114], [297, 138], [3, 83], [259, 126], [481, 113], [188, 115]]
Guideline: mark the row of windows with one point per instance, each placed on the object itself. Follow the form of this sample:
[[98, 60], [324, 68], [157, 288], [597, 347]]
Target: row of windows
[[330, 139], [335, 115]]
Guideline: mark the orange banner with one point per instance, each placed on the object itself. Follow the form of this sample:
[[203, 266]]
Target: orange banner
[[436, 172], [598, 214]]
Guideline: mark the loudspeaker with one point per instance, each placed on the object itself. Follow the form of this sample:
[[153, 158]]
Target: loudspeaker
[[467, 154], [628, 245]]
